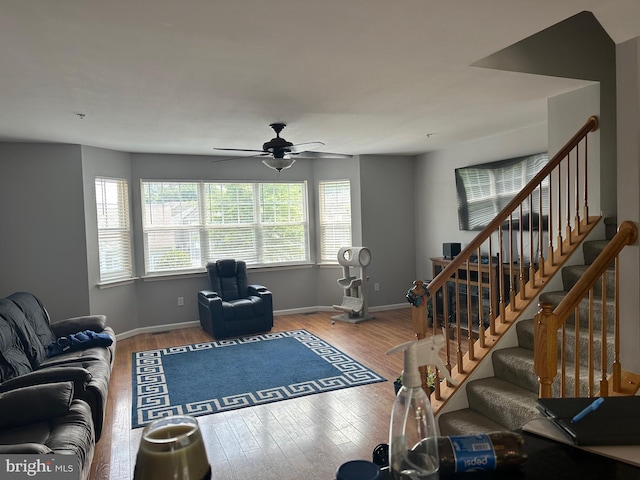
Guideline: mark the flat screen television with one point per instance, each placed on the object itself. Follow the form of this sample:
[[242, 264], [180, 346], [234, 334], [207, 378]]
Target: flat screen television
[[483, 190]]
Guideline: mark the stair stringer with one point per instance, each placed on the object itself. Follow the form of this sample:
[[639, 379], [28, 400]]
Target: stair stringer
[[527, 307]]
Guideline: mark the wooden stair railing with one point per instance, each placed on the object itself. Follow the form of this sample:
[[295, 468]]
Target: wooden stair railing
[[548, 321], [507, 287]]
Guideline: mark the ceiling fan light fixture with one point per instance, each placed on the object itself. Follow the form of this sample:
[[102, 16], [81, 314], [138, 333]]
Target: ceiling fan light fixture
[[279, 163]]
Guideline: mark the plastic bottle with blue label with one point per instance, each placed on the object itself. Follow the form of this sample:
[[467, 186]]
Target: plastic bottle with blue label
[[413, 434]]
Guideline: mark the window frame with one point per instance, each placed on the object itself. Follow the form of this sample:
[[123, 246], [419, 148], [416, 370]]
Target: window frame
[[124, 230], [326, 253], [205, 227]]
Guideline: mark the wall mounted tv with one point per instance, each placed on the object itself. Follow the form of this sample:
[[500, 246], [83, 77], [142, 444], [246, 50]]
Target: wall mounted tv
[[483, 190]]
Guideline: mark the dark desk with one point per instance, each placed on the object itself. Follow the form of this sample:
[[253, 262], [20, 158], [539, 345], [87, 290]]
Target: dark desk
[[550, 460]]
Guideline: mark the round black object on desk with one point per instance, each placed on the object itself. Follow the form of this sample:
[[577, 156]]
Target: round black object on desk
[[358, 470]]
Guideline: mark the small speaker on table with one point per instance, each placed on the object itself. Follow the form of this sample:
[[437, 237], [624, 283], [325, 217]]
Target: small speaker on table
[[450, 250]]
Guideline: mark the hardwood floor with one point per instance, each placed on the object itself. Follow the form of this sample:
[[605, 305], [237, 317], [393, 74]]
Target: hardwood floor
[[307, 437]]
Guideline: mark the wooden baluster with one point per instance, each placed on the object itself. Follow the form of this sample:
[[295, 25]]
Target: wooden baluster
[[550, 221], [577, 219], [458, 325], [541, 234], [590, 355], [568, 212], [545, 348], [512, 293], [604, 383], [447, 331], [480, 300], [469, 302], [560, 247], [563, 361], [617, 366], [576, 362], [520, 256], [532, 246], [502, 290], [586, 183], [492, 290]]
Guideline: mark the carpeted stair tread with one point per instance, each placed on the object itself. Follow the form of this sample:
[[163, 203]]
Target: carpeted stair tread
[[502, 401], [525, 331], [515, 365], [573, 273], [583, 307], [591, 249], [466, 422]]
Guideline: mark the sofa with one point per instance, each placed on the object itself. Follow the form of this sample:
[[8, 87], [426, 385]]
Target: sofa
[[45, 359], [47, 419]]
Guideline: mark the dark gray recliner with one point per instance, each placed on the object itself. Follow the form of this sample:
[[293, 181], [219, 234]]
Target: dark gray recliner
[[232, 307]]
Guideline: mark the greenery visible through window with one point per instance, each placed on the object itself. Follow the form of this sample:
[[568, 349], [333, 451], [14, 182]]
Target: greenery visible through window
[[335, 218], [187, 224], [114, 232]]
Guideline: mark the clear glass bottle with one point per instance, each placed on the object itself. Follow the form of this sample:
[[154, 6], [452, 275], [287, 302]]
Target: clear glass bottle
[[413, 435]]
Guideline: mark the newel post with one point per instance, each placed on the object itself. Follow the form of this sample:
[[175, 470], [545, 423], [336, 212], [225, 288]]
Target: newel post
[[545, 348], [417, 296]]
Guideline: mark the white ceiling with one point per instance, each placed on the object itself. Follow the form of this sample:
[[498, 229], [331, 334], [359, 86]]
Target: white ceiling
[[363, 76]]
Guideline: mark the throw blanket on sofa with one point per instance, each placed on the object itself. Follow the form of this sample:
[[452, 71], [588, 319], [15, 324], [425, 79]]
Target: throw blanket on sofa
[[78, 341]]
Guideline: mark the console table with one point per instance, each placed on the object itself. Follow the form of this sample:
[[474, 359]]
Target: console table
[[480, 280]]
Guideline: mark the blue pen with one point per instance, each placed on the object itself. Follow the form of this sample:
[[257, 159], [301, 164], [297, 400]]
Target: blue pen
[[592, 406]]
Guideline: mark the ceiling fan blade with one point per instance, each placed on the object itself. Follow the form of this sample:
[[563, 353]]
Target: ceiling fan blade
[[241, 150], [307, 154], [227, 159], [300, 147]]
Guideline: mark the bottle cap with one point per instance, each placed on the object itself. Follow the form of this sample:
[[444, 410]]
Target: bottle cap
[[358, 470]]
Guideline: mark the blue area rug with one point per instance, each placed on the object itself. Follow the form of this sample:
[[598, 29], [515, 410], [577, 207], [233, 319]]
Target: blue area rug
[[212, 377]]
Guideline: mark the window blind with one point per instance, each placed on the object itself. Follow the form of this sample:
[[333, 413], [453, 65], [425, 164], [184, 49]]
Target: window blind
[[335, 218], [187, 224], [114, 229]]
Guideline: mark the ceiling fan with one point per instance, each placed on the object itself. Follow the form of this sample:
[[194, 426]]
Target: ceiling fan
[[282, 153]]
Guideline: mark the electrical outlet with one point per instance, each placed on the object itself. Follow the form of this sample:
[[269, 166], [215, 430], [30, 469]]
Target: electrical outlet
[[376, 287], [181, 301]]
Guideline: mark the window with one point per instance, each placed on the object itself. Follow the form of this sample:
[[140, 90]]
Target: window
[[335, 218], [186, 224], [114, 231]]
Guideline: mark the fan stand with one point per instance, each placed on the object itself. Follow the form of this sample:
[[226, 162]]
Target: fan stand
[[354, 302]]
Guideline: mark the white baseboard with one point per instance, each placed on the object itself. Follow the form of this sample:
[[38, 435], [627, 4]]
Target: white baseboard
[[276, 313]]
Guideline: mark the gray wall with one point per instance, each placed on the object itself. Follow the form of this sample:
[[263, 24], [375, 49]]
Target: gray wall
[[59, 206], [119, 302], [42, 246], [576, 48], [388, 225], [436, 202], [629, 196]]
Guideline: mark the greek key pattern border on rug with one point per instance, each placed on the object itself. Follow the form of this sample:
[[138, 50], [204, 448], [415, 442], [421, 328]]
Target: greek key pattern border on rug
[[152, 398]]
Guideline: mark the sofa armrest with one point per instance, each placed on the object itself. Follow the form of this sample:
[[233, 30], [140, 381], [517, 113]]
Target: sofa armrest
[[95, 323], [24, 449], [27, 405], [78, 375]]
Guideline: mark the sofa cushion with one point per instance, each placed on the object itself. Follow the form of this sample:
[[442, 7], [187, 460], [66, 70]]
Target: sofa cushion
[[26, 405], [70, 434], [13, 361], [36, 314], [31, 344]]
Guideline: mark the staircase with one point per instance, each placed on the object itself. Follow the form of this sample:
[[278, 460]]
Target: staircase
[[506, 401]]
